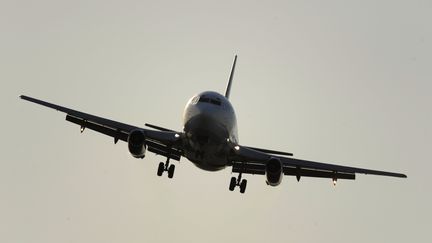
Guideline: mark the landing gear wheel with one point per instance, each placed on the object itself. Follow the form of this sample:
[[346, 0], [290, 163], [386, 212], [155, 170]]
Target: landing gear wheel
[[232, 184], [161, 169], [171, 171], [243, 186]]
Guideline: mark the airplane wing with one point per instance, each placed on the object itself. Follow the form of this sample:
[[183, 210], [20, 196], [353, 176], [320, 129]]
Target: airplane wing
[[253, 161], [165, 142]]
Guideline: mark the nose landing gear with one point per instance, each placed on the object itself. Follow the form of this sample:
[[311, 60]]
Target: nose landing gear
[[238, 182], [166, 167]]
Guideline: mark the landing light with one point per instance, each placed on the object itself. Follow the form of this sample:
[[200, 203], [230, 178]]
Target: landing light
[[334, 181], [177, 135], [237, 148]]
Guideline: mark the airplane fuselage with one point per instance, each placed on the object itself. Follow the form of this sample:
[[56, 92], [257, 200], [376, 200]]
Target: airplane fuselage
[[209, 123]]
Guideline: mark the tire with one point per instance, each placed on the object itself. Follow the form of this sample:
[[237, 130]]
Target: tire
[[161, 169], [171, 171], [232, 183], [243, 185]]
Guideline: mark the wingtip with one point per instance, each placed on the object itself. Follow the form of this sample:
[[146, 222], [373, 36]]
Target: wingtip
[[401, 175]]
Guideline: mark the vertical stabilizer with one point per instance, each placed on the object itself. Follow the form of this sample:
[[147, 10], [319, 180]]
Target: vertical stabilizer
[[228, 88]]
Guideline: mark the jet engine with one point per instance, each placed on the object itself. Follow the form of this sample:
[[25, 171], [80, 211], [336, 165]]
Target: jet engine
[[136, 144], [274, 172]]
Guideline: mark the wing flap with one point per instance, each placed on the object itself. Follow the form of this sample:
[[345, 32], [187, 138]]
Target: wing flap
[[116, 134], [249, 157], [301, 172], [152, 146], [336, 168], [259, 169], [164, 153], [166, 143], [248, 168]]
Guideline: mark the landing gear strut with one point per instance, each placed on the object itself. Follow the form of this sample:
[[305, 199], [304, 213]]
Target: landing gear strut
[[166, 167], [238, 182]]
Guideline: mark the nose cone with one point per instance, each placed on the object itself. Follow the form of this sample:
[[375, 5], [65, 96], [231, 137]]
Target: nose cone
[[208, 118], [204, 129], [206, 111], [202, 138]]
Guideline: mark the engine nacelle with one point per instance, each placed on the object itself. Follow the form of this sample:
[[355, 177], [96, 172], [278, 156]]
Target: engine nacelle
[[274, 172], [136, 144]]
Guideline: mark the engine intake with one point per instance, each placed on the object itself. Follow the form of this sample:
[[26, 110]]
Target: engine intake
[[136, 144], [274, 172]]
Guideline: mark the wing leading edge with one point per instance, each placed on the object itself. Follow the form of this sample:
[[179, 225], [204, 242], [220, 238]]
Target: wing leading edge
[[251, 161], [165, 143], [244, 159]]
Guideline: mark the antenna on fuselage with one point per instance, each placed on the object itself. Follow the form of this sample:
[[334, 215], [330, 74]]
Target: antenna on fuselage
[[228, 89]]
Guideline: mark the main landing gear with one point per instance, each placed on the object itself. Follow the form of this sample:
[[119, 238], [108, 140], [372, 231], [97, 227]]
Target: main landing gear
[[238, 182], [166, 167]]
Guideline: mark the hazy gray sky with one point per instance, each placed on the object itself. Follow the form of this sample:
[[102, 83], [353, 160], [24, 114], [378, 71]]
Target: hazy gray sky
[[346, 82]]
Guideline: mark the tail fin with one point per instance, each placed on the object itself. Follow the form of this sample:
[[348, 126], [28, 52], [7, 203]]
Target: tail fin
[[228, 88]]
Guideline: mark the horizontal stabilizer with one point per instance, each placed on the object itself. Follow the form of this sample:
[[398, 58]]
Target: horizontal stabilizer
[[159, 128], [270, 151]]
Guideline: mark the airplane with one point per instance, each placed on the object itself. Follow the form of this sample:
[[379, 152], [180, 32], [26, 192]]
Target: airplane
[[210, 141]]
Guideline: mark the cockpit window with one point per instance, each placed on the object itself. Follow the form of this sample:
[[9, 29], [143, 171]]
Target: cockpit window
[[204, 99], [215, 102], [195, 100], [210, 100]]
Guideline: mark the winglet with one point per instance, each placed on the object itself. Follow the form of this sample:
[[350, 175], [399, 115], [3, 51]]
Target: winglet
[[228, 89]]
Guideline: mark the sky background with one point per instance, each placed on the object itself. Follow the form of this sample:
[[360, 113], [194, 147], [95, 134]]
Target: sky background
[[346, 82]]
